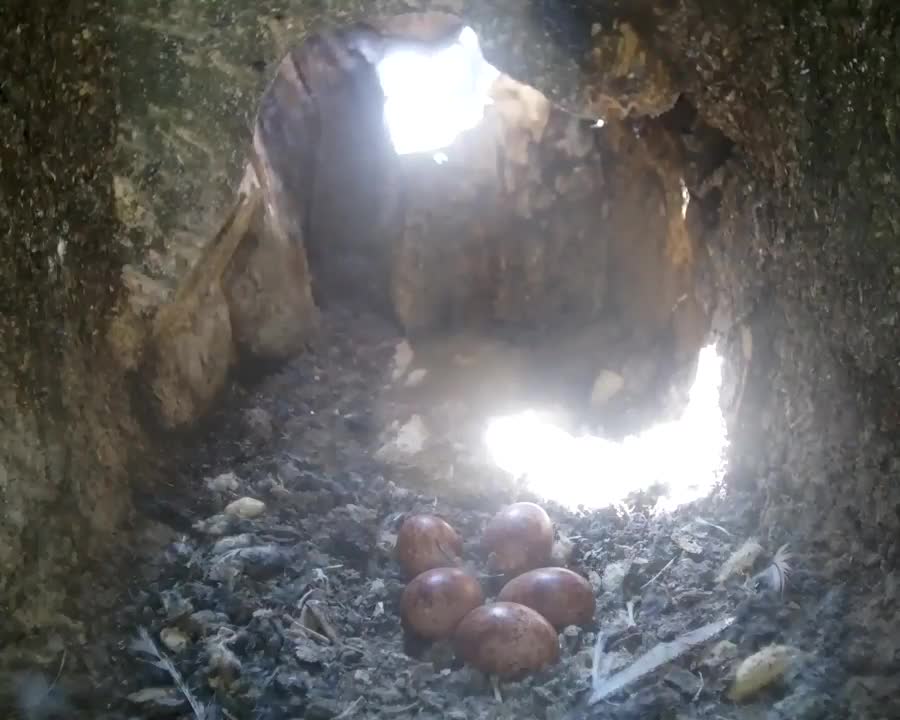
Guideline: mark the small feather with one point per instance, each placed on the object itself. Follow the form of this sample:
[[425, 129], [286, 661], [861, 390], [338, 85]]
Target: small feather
[[145, 644], [651, 660], [775, 576]]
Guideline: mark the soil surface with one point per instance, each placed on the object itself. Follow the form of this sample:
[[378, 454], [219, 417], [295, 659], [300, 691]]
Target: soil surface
[[286, 606]]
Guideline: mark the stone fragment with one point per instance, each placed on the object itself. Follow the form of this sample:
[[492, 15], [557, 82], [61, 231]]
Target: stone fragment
[[403, 357], [246, 508], [614, 575], [174, 639], [607, 385], [416, 377], [158, 701], [226, 482]]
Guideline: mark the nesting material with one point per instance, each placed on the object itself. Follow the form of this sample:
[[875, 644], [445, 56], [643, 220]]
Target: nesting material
[[760, 671], [741, 561]]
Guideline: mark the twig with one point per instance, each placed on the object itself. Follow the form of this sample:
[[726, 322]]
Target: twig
[[701, 521], [700, 689], [46, 695], [324, 623], [659, 655], [622, 639], [62, 664], [656, 577], [495, 685], [303, 600], [602, 663], [400, 710], [351, 709], [309, 632], [629, 607]]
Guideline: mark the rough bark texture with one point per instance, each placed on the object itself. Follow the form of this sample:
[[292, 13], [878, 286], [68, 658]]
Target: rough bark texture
[[64, 419], [805, 252]]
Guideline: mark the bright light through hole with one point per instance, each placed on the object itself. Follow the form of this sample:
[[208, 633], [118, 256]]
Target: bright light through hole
[[430, 98], [685, 458]]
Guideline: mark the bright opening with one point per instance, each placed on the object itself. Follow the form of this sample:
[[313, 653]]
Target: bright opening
[[685, 458], [430, 98]]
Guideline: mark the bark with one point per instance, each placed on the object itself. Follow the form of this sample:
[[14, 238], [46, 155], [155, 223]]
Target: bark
[[62, 404]]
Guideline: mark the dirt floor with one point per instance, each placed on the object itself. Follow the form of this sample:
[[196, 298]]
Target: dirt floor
[[285, 606]]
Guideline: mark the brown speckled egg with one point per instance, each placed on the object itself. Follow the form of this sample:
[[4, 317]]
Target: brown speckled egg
[[519, 538], [426, 542], [507, 640], [560, 595], [433, 604]]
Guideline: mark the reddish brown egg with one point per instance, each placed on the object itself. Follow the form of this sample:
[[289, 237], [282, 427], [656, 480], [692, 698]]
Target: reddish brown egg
[[434, 602], [519, 538], [426, 542], [562, 596], [507, 640]]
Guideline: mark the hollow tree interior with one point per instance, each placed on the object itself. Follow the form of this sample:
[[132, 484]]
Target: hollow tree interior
[[453, 359]]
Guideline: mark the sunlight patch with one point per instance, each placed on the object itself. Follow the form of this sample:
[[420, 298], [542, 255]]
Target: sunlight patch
[[431, 98], [685, 457]]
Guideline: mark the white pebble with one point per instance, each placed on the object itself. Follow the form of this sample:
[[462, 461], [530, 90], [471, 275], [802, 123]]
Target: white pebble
[[246, 508], [607, 385], [174, 639], [416, 377], [226, 482]]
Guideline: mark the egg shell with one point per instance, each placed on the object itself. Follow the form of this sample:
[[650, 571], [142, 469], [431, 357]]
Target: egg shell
[[563, 597], [434, 603], [519, 538], [426, 542], [507, 640]]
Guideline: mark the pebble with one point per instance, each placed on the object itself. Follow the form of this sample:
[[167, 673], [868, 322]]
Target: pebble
[[409, 440], [722, 653], [158, 700], [217, 525], [226, 482], [295, 683], [223, 662], [614, 575], [174, 639], [403, 357], [204, 622], [175, 606], [607, 385], [416, 378], [263, 561], [246, 507], [233, 542]]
